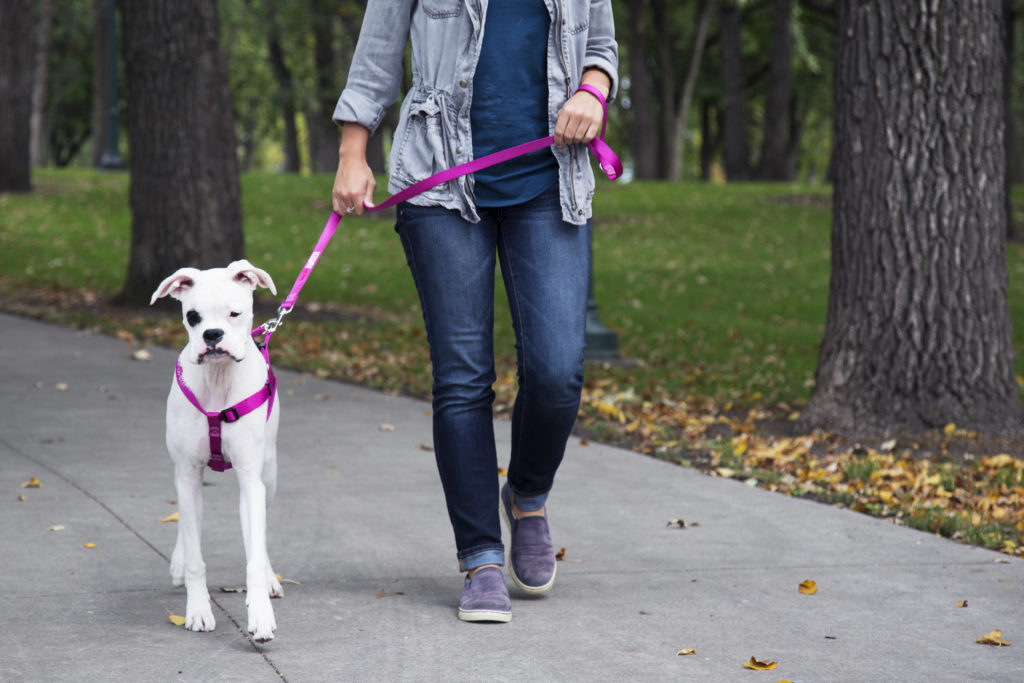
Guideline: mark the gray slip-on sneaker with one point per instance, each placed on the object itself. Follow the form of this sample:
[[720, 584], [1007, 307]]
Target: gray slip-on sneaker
[[485, 597], [531, 555]]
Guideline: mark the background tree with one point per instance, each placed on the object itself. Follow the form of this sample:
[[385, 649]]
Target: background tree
[[16, 24], [918, 330], [184, 196], [734, 107], [777, 162]]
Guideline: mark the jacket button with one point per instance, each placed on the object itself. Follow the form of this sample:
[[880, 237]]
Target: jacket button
[[463, 83], [458, 150]]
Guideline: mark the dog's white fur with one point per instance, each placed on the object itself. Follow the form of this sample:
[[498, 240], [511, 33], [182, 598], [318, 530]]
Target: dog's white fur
[[221, 372]]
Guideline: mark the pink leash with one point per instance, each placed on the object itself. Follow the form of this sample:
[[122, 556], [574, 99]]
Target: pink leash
[[604, 154]]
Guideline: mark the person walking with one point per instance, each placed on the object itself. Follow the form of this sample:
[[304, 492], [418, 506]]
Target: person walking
[[488, 75]]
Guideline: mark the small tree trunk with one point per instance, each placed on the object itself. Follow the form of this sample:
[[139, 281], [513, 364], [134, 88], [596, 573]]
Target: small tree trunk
[[185, 196], [918, 332], [734, 131], [285, 89], [40, 81], [643, 145], [99, 80], [15, 89], [323, 132], [705, 9], [774, 164]]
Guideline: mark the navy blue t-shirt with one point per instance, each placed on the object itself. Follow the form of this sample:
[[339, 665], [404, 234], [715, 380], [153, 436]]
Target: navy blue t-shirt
[[510, 102]]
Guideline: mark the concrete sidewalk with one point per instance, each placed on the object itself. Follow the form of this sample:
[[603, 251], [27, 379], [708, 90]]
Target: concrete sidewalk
[[360, 522]]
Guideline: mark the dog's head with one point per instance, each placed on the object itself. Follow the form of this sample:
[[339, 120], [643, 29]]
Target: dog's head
[[216, 306]]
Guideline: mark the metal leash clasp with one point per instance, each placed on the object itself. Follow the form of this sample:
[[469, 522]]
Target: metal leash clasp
[[271, 326]]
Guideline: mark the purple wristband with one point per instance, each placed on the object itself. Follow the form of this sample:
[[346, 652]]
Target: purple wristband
[[586, 87]]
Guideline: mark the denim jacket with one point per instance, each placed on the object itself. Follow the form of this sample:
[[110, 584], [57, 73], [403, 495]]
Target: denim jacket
[[433, 132]]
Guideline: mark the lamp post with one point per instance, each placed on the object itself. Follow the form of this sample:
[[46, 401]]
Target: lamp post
[[111, 159], [602, 343]]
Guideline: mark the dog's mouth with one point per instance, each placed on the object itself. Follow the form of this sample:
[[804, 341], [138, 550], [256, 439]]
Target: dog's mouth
[[215, 353]]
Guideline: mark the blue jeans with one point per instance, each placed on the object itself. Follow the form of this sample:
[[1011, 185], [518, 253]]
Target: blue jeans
[[545, 264]]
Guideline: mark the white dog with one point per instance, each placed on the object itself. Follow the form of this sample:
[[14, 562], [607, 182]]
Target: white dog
[[221, 378]]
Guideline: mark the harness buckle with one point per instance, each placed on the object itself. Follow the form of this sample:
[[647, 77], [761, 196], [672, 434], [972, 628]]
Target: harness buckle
[[230, 414]]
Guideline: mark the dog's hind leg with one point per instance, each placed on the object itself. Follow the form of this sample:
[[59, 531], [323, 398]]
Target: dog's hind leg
[[188, 479]]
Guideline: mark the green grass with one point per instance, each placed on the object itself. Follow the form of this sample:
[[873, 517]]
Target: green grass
[[716, 291]]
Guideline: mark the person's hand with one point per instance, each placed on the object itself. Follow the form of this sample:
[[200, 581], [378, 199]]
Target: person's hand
[[354, 182], [579, 119]]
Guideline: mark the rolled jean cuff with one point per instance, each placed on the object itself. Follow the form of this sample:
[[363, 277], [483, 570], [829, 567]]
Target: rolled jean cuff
[[481, 556], [529, 503]]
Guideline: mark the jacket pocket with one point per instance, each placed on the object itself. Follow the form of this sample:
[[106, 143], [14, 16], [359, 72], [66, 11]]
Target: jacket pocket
[[441, 9], [423, 148], [577, 16]]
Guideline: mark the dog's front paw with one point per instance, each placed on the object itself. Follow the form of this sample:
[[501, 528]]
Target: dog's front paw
[[199, 618], [261, 620]]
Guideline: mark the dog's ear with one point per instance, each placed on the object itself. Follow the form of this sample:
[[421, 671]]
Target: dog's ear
[[176, 285], [246, 273]]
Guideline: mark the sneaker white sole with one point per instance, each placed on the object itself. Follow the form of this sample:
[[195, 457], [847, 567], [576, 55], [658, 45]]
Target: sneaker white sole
[[484, 615], [531, 590]]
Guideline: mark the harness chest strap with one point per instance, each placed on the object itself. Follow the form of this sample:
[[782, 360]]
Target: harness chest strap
[[233, 414]]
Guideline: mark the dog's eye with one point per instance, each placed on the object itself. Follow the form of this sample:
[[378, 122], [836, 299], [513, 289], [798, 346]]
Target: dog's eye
[[193, 318], [235, 314]]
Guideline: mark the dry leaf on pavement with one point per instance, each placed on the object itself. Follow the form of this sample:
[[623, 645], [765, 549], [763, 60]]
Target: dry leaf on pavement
[[808, 587], [757, 665], [993, 638]]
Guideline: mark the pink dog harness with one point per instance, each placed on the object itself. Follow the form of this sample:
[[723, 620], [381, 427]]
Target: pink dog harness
[[234, 413]]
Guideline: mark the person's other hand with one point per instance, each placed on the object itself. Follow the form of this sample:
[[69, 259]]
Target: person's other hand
[[354, 182], [579, 119]]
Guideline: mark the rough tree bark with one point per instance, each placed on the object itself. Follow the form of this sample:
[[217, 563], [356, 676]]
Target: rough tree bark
[[734, 128], [185, 196], [918, 332], [15, 87], [99, 80], [775, 158]]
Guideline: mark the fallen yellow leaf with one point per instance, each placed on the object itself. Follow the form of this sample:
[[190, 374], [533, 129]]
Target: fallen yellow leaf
[[949, 429], [808, 587], [687, 651], [89, 545], [993, 638], [176, 619], [382, 593], [757, 665], [32, 483], [173, 517], [962, 604]]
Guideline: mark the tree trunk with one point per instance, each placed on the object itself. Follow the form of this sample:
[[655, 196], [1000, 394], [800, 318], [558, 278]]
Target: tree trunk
[[323, 132], [285, 89], [681, 107], [40, 79], [643, 146], [185, 196], [774, 164], [734, 131], [15, 86], [99, 80], [918, 332]]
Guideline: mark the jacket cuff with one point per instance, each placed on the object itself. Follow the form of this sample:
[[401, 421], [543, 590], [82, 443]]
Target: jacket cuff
[[355, 107]]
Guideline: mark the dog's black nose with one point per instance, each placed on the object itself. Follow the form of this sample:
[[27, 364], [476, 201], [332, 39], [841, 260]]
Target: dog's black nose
[[212, 336]]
